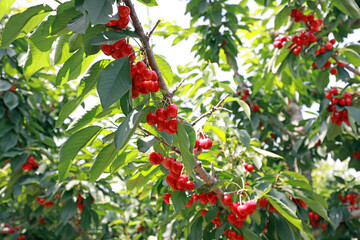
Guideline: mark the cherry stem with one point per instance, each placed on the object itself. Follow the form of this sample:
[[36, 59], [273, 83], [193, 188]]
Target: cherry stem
[[153, 29], [145, 40], [213, 109]]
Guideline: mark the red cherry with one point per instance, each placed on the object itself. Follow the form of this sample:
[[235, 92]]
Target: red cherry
[[334, 100], [328, 95], [329, 45], [347, 95], [342, 102], [242, 210], [141, 66], [323, 226], [333, 41], [123, 22], [250, 168], [195, 197], [190, 185], [334, 91], [203, 212], [161, 114], [171, 126], [167, 197], [227, 199], [231, 235], [167, 162], [197, 143], [151, 118], [322, 49], [31, 160], [124, 11], [42, 221], [155, 158], [119, 44], [107, 49], [314, 65], [238, 92], [333, 71], [181, 184], [239, 237], [206, 143], [49, 204], [190, 203], [316, 217], [311, 215], [348, 101], [317, 52], [172, 110], [177, 167], [12, 88], [146, 75], [161, 125], [171, 180]]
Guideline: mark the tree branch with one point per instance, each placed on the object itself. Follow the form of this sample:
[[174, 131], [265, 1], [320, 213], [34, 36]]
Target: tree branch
[[213, 109], [145, 40], [234, 68], [152, 30]]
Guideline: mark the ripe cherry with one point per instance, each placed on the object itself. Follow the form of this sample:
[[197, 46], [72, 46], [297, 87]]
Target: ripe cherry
[[107, 49], [123, 22], [181, 184], [161, 125], [195, 196], [334, 91], [227, 199], [190, 185], [333, 71], [124, 11], [329, 45], [342, 102], [151, 118], [167, 162], [161, 114], [348, 101], [172, 110], [250, 168], [177, 167], [328, 95], [155, 158]]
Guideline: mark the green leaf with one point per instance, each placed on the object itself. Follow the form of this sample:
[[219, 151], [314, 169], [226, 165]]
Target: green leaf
[[79, 24], [126, 103], [355, 113], [136, 181], [4, 86], [123, 158], [184, 145], [248, 234], [22, 23], [128, 127], [323, 58], [87, 84], [282, 16], [243, 136], [5, 7], [9, 140], [165, 69], [62, 51], [178, 200], [296, 176], [73, 67], [144, 144], [60, 25], [101, 12], [322, 80], [266, 153], [90, 32], [333, 130], [114, 82], [245, 106], [348, 7], [38, 55], [11, 100], [352, 56], [285, 211], [105, 157], [68, 211], [84, 120], [196, 229], [282, 228], [211, 214], [149, 3], [111, 37], [72, 146]]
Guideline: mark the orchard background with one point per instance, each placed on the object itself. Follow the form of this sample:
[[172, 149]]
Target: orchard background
[[255, 135]]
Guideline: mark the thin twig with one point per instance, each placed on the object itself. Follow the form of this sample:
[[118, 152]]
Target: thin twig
[[213, 109], [178, 86], [234, 68], [79, 229], [212, 170], [145, 40], [153, 29]]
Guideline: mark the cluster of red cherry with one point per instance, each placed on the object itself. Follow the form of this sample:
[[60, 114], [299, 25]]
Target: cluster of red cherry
[[338, 117], [121, 48], [315, 219], [160, 119], [79, 202], [42, 221], [143, 80], [205, 143], [175, 179], [351, 199], [248, 167], [41, 201], [356, 155], [232, 235], [328, 46], [304, 38], [30, 164], [246, 94], [264, 202], [280, 41]]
